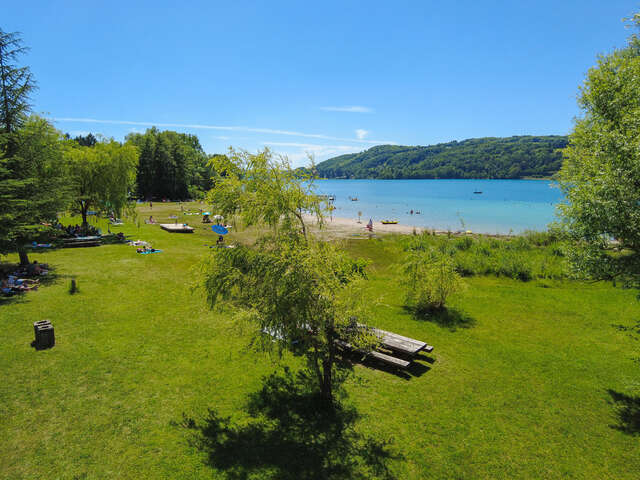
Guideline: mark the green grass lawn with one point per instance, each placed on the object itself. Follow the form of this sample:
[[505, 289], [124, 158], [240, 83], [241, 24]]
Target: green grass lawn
[[527, 380]]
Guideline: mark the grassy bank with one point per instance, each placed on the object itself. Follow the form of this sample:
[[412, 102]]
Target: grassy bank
[[527, 380]]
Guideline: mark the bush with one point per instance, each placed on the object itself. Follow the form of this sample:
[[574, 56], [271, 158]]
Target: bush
[[515, 266], [464, 243], [531, 255], [432, 279]]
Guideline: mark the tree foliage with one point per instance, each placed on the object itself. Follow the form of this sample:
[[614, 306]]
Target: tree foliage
[[600, 176], [294, 288], [100, 177], [512, 157], [262, 188], [88, 140], [31, 190], [32, 184], [172, 165], [16, 83]]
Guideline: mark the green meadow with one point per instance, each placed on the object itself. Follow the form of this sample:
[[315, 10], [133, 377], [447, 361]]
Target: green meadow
[[528, 379]]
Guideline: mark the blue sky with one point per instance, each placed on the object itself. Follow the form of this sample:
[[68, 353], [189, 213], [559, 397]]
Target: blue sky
[[320, 77]]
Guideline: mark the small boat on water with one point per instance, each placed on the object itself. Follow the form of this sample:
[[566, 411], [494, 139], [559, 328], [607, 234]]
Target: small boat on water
[[389, 222], [478, 192], [354, 199]]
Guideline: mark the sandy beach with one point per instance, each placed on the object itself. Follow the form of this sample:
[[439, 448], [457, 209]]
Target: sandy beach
[[349, 227], [341, 227]]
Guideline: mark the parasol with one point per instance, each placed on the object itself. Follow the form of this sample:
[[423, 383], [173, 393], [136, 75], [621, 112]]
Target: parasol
[[219, 229]]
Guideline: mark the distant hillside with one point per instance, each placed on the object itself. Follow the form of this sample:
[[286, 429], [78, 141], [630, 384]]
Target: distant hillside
[[511, 157]]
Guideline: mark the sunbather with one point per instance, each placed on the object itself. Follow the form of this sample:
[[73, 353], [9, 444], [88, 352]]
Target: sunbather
[[5, 288], [21, 284], [36, 269]]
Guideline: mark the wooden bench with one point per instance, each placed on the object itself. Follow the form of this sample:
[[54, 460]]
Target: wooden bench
[[389, 360], [82, 242], [381, 357]]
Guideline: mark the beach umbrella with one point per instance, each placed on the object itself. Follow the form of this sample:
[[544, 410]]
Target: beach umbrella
[[218, 217], [207, 213], [219, 229]]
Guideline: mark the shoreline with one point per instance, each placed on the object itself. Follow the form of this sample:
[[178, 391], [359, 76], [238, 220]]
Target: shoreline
[[349, 227]]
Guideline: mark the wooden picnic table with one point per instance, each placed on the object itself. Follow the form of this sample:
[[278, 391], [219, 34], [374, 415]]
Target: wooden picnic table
[[398, 343]]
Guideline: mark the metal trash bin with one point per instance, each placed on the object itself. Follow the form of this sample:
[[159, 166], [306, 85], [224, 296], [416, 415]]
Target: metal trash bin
[[45, 336], [37, 324]]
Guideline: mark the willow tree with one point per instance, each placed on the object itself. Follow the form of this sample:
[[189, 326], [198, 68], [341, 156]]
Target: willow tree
[[264, 189], [100, 177], [600, 176], [298, 291]]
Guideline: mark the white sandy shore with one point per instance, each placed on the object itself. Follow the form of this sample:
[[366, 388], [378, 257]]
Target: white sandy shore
[[349, 227], [342, 227]]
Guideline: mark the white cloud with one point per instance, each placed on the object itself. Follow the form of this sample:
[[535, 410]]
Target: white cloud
[[317, 136], [348, 109], [360, 133]]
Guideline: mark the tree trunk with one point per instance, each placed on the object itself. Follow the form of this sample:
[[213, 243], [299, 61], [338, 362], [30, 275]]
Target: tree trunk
[[24, 257], [326, 390], [84, 208]]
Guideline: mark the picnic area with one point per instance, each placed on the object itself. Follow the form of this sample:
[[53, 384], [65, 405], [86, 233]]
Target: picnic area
[[519, 371]]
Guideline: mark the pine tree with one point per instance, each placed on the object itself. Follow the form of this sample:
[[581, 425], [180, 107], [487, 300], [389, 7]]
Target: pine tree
[[31, 190]]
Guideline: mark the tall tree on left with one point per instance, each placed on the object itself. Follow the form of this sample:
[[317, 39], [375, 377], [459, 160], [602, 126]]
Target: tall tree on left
[[31, 184]]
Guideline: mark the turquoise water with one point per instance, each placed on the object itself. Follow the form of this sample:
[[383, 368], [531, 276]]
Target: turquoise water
[[504, 206]]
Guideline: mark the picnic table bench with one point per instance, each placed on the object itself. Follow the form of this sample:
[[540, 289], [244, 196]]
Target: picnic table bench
[[382, 357], [92, 241]]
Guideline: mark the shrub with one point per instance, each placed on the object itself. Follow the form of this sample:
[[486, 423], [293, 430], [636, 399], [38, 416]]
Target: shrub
[[464, 243], [515, 266], [432, 278], [540, 239]]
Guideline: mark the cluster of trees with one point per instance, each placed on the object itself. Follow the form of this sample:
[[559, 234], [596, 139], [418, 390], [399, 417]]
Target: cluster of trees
[[42, 172], [511, 157], [171, 165]]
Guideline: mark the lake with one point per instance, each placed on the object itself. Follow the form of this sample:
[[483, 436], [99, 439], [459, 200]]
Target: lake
[[504, 206]]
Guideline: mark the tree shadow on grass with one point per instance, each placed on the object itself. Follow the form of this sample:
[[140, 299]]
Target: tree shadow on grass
[[11, 299], [445, 317], [627, 411], [291, 434]]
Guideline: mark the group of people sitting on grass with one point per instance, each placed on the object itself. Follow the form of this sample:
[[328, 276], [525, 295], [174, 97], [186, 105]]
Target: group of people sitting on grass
[[146, 249], [77, 230], [19, 281]]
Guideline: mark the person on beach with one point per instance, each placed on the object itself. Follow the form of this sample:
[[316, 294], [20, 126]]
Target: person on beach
[[370, 225]]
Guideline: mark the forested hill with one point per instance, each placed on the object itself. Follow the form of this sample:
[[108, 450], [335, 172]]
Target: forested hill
[[510, 157]]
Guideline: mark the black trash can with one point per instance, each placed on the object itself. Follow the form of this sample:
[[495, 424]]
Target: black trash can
[[45, 336]]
